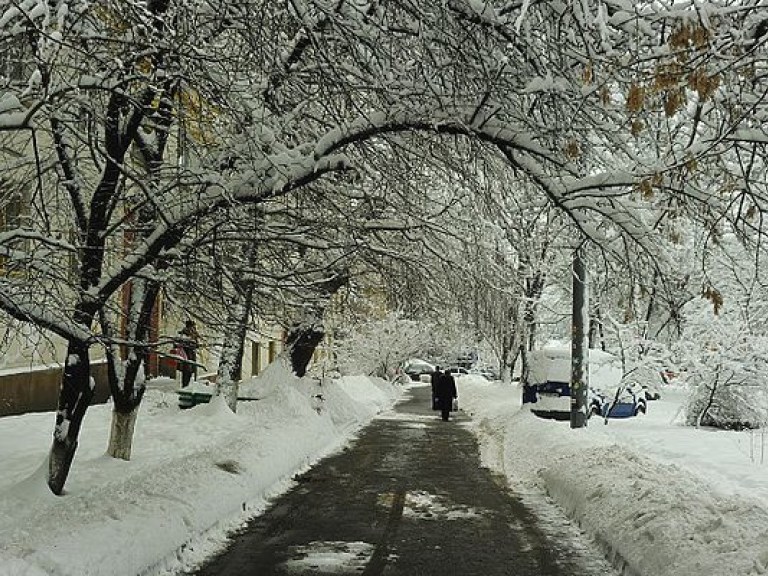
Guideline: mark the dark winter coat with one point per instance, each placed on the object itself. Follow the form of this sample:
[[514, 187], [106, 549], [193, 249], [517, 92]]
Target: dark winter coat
[[433, 379], [445, 391], [189, 342]]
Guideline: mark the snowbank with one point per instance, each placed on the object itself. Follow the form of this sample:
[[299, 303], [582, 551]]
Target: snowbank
[[194, 475], [662, 500]]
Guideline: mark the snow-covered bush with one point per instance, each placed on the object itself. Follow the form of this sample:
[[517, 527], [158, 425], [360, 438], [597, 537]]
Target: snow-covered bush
[[726, 368], [643, 360], [379, 347], [646, 377], [731, 400]]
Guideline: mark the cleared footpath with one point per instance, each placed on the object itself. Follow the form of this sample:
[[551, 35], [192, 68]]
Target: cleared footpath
[[409, 497]]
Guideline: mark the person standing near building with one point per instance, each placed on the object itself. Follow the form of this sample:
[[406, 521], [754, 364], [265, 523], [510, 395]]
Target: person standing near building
[[446, 392], [189, 341]]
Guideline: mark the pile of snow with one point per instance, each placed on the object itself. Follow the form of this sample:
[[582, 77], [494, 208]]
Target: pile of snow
[[661, 499], [195, 474]]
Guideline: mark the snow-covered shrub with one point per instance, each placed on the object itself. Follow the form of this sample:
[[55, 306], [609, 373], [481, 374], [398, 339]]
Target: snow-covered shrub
[[731, 400], [379, 347], [645, 377], [726, 368], [643, 360]]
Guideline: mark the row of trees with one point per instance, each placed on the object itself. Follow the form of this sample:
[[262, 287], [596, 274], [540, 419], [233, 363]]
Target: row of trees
[[261, 155]]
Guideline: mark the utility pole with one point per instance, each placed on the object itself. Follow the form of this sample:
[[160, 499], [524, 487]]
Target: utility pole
[[579, 350]]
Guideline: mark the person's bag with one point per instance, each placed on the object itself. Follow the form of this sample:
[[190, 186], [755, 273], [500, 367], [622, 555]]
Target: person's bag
[[435, 403], [455, 404]]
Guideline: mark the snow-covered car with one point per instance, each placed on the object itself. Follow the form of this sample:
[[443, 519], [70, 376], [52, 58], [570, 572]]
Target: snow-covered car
[[418, 370], [598, 403], [486, 373], [652, 391], [457, 371], [549, 381], [623, 402], [554, 401]]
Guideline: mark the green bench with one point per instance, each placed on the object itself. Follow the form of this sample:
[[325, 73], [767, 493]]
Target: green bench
[[190, 398]]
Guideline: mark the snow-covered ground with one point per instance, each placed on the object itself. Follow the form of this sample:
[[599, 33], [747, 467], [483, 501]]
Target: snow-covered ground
[[660, 498], [195, 475], [663, 499]]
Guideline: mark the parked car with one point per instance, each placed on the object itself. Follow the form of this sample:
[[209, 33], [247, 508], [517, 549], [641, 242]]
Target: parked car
[[598, 403], [549, 381], [623, 402], [457, 371], [416, 368], [652, 391], [486, 373]]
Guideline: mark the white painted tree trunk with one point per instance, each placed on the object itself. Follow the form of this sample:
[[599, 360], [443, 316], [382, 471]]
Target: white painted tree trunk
[[230, 362], [121, 434], [229, 388]]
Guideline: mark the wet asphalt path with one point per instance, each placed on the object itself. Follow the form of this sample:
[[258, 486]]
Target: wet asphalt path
[[407, 498]]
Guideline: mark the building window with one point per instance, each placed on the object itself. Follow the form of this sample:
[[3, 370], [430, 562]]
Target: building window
[[255, 358]]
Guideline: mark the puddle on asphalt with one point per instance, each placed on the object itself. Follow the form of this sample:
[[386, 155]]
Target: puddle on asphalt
[[329, 557]]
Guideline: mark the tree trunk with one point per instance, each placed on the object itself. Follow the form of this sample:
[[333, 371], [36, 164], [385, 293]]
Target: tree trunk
[[127, 383], [534, 287], [504, 363], [509, 343], [304, 337], [231, 362], [596, 331], [711, 399], [302, 342], [230, 370], [529, 393], [75, 396], [121, 125], [121, 433]]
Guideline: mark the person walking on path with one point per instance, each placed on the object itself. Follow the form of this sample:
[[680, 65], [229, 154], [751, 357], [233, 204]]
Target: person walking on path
[[189, 341], [446, 392], [433, 379]]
